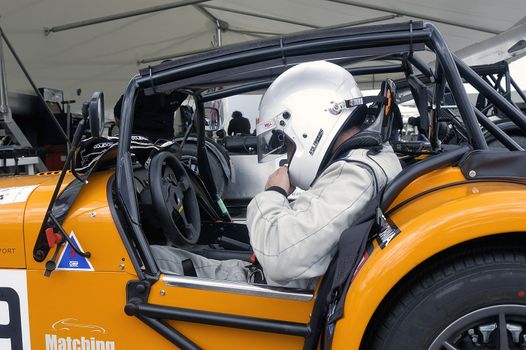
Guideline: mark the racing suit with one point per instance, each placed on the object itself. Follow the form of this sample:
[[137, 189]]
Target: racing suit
[[295, 242]]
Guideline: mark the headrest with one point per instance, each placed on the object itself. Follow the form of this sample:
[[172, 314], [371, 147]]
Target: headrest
[[384, 110]]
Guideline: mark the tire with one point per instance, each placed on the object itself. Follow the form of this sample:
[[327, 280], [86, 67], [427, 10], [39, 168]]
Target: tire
[[457, 295]]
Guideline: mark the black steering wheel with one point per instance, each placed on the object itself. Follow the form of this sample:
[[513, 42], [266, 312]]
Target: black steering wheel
[[174, 199]]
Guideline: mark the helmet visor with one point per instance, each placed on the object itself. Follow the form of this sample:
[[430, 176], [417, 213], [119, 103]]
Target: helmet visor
[[270, 141]]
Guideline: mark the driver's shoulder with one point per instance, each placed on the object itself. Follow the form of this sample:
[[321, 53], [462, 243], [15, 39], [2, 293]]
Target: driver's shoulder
[[383, 162]]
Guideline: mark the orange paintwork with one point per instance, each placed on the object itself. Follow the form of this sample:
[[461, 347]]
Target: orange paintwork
[[89, 218], [429, 225], [12, 252], [234, 304], [430, 180], [98, 298], [86, 298]]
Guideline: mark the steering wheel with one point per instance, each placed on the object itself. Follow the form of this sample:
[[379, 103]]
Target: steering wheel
[[174, 199]]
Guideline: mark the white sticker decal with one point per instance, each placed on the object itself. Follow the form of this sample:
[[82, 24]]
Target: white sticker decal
[[92, 340], [14, 327], [73, 323], [54, 342], [12, 195]]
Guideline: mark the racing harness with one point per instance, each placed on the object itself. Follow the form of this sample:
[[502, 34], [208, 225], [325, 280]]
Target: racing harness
[[352, 247]]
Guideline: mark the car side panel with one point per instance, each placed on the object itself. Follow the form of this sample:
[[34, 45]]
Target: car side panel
[[14, 194], [85, 308], [429, 225], [89, 219], [87, 305], [213, 337], [12, 253]]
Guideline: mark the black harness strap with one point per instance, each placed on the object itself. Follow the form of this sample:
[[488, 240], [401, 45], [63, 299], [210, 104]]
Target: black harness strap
[[330, 299], [364, 139], [351, 249], [320, 309]]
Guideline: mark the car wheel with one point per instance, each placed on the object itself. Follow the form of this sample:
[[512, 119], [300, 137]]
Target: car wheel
[[475, 300]]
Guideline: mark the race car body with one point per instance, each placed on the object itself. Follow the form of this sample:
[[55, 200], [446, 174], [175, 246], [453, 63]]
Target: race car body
[[440, 263]]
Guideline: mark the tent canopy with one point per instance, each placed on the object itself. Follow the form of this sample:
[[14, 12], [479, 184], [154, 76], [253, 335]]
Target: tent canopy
[[103, 56]]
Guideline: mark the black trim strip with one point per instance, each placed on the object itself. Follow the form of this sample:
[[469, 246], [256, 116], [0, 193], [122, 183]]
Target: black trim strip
[[122, 233], [217, 319], [414, 171], [452, 184]]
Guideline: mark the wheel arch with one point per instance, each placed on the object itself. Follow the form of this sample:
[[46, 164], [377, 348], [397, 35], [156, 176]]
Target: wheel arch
[[489, 243], [431, 225]]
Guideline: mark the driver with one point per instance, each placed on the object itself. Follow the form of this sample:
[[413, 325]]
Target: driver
[[304, 112]]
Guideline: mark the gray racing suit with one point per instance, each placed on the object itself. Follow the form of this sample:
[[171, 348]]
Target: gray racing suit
[[295, 242]]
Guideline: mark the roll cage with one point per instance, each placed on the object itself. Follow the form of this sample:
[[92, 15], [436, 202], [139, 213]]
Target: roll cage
[[253, 66]]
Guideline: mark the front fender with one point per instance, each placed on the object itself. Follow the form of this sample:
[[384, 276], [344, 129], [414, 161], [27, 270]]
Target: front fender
[[429, 224]]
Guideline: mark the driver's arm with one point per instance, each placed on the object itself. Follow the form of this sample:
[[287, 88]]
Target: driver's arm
[[297, 241]]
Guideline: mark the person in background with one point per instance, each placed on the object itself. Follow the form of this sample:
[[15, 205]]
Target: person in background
[[238, 124]]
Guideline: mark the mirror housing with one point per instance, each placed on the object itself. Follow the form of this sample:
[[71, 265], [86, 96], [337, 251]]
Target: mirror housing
[[96, 114]]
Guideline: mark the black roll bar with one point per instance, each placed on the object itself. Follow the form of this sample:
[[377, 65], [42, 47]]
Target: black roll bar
[[217, 319], [518, 89], [421, 66], [499, 134], [169, 333], [500, 102], [429, 35], [202, 157], [294, 49], [126, 196], [452, 76]]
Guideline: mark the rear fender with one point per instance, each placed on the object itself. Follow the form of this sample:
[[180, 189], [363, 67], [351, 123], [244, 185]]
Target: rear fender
[[428, 225]]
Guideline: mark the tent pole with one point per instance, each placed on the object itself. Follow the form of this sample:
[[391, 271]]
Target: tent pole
[[122, 15], [417, 15], [257, 15]]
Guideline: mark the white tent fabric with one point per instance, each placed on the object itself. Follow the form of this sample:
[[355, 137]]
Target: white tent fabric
[[104, 56]]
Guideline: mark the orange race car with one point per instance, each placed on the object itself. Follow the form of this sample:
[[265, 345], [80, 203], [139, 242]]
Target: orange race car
[[443, 265]]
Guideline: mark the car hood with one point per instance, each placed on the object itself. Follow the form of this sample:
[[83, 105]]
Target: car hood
[[15, 194]]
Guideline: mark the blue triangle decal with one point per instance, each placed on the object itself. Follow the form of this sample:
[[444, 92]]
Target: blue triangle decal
[[71, 260]]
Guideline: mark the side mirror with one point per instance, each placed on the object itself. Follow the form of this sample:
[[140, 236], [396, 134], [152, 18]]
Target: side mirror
[[213, 119], [96, 114]]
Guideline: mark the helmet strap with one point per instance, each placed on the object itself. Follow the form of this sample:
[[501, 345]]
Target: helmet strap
[[353, 102]]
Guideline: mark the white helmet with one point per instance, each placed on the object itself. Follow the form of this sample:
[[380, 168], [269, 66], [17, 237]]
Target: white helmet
[[307, 105]]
